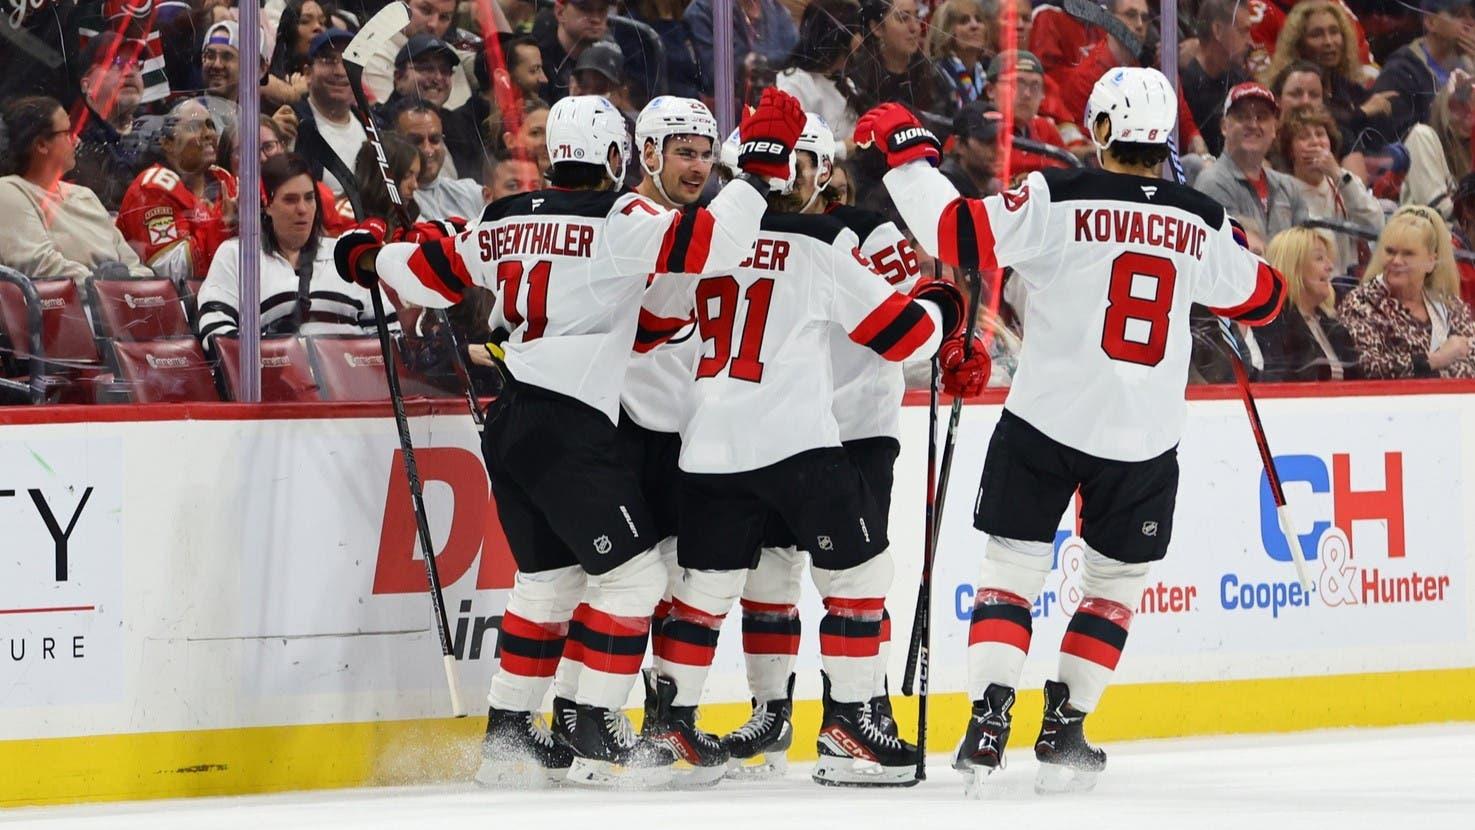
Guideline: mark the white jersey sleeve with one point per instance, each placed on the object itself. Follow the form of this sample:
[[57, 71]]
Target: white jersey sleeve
[[645, 238], [997, 232], [875, 315], [435, 274], [1112, 264]]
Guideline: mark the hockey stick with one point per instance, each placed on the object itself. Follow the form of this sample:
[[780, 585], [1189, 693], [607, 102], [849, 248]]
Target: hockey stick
[[1168, 59], [924, 592], [390, 20], [922, 618]]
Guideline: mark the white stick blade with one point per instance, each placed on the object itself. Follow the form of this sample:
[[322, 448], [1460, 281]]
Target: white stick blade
[[390, 21], [1288, 528]]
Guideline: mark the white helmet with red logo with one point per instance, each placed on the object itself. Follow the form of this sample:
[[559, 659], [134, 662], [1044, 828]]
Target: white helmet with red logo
[[1142, 106], [582, 128]]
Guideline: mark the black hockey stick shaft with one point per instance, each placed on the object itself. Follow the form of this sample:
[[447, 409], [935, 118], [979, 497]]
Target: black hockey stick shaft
[[921, 619], [397, 402], [924, 591]]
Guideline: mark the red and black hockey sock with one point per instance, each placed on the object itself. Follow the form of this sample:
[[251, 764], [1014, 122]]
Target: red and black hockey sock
[[1091, 649], [657, 624], [528, 655], [998, 639], [770, 644], [610, 649], [850, 646], [689, 642]]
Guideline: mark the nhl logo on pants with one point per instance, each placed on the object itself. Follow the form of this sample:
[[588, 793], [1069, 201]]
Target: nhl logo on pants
[[1149, 528], [825, 543], [602, 544]]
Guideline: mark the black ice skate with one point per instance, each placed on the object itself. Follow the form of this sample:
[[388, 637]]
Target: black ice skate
[[701, 759], [1067, 762], [760, 747], [608, 753], [518, 752], [981, 754], [855, 750], [565, 715]]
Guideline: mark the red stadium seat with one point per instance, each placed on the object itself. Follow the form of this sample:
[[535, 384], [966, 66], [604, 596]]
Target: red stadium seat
[[65, 359], [135, 309], [348, 368], [286, 372], [164, 371]]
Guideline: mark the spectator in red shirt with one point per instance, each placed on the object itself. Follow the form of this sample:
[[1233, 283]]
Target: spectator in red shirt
[[1060, 41], [176, 213], [1076, 84], [1017, 79]]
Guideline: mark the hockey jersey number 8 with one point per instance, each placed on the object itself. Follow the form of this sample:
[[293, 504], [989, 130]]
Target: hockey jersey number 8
[[764, 386], [1111, 263]]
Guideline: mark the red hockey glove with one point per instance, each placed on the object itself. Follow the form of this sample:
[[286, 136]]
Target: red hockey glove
[[768, 134], [948, 299], [349, 254], [964, 377], [895, 131]]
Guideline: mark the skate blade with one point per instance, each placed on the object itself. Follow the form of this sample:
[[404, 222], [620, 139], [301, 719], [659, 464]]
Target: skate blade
[[831, 771], [687, 777], [982, 783], [1058, 779], [517, 775], [587, 772], [761, 767]]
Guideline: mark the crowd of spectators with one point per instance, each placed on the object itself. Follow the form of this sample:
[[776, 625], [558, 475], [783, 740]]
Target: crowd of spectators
[[1339, 132]]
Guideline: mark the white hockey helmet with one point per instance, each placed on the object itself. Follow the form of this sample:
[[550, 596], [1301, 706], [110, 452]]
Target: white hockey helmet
[[668, 115], [582, 128], [819, 140], [1142, 106]]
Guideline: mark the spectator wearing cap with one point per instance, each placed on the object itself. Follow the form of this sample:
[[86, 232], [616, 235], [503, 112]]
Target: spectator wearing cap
[[220, 59], [1416, 72], [109, 154], [328, 134], [599, 72], [973, 156], [1077, 83], [829, 33], [1324, 33], [1223, 30], [1017, 79], [1240, 179], [958, 44], [52, 228], [432, 17], [563, 33], [1439, 151], [761, 28], [440, 194], [1309, 140], [423, 70], [1462, 228]]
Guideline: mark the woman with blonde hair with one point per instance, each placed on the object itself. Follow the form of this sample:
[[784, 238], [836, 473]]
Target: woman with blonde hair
[[1407, 317], [1439, 151], [1320, 31], [1307, 341], [958, 43]]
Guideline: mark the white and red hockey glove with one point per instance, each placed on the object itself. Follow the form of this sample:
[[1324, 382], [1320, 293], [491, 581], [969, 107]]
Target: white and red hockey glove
[[964, 377], [768, 134], [430, 230], [895, 131], [351, 253]]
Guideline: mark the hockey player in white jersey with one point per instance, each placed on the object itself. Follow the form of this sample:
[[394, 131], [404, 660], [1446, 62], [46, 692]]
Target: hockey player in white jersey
[[569, 265], [1112, 260], [867, 408], [761, 445]]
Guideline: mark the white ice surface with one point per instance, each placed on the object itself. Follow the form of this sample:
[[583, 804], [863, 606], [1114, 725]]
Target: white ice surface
[[1420, 778]]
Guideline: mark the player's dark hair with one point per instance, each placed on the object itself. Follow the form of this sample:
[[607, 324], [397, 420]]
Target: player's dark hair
[[27, 121], [277, 171], [1137, 153], [578, 175]]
